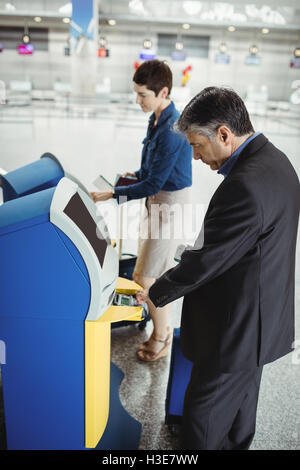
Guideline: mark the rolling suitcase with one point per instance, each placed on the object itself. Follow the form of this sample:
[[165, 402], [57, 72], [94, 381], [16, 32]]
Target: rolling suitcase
[[179, 376]]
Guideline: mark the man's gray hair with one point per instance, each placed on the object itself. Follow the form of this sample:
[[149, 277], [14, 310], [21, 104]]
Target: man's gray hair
[[209, 130], [214, 107]]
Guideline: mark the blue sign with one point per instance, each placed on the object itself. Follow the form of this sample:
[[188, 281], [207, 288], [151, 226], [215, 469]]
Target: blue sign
[[252, 60], [222, 59], [82, 15], [178, 55], [295, 63], [147, 54]]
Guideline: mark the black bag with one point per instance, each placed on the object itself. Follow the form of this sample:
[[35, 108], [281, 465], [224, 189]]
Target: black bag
[[126, 265]]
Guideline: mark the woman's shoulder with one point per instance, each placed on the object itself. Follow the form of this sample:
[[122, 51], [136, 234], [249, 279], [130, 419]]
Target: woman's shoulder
[[166, 132], [175, 113]]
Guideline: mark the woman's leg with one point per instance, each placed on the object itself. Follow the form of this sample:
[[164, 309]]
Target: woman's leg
[[160, 317]]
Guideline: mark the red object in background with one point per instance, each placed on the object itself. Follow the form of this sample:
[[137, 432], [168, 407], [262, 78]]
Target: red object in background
[[186, 75], [102, 52], [136, 65], [187, 69]]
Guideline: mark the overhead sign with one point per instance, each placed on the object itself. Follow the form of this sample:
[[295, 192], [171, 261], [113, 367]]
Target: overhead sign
[[178, 55], [222, 58], [253, 60], [147, 54], [25, 49], [295, 63], [103, 52], [82, 18]]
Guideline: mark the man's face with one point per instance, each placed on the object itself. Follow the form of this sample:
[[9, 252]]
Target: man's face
[[213, 153], [147, 99]]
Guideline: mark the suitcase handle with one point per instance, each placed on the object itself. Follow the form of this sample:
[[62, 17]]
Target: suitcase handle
[[128, 254]]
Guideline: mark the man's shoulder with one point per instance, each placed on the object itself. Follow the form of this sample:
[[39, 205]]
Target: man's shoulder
[[259, 148], [265, 171], [234, 185]]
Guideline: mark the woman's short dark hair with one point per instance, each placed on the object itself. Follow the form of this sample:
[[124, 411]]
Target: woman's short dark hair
[[212, 108], [155, 74]]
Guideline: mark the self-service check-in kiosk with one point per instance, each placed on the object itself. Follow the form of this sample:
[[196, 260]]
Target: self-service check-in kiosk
[[58, 279]]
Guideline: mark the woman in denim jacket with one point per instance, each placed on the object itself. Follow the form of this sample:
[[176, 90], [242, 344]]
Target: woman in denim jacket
[[164, 178]]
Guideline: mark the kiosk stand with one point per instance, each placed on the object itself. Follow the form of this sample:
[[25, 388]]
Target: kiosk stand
[[58, 279]]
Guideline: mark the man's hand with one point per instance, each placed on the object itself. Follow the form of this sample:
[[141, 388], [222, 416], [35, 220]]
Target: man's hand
[[142, 296], [102, 196]]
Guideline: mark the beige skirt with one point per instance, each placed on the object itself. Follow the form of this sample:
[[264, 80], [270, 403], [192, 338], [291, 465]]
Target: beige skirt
[[161, 231]]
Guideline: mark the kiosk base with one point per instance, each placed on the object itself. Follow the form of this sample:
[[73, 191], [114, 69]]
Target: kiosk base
[[122, 431]]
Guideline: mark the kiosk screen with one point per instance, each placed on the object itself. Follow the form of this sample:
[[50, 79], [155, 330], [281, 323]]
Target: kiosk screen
[[77, 211]]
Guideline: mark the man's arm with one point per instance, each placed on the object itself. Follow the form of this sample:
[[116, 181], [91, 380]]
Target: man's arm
[[232, 227]]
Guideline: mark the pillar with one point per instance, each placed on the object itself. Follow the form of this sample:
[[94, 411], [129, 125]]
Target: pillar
[[84, 39]]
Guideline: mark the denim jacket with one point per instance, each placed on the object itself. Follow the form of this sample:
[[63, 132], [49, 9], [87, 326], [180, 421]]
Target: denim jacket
[[166, 162]]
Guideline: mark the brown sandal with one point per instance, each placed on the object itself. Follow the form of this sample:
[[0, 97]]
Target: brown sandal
[[143, 346], [152, 356]]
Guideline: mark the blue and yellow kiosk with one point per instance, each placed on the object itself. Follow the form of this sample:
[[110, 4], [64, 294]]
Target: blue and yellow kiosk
[[58, 280]]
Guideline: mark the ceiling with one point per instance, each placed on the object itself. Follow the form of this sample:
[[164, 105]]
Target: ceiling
[[273, 14], [240, 13]]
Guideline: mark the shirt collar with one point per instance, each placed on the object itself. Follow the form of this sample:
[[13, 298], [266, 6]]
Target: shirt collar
[[227, 166], [165, 114]]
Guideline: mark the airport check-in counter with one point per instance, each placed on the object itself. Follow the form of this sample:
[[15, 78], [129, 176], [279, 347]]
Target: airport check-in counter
[[59, 276]]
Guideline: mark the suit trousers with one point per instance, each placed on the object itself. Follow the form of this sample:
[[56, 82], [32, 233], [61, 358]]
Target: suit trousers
[[220, 409]]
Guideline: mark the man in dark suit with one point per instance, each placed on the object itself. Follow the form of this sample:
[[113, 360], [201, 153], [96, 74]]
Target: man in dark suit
[[238, 288]]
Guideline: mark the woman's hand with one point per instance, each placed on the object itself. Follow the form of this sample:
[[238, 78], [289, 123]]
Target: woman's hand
[[102, 195], [133, 175], [142, 296]]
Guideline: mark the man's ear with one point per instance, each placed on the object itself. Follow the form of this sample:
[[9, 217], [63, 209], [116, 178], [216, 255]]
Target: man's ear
[[224, 134]]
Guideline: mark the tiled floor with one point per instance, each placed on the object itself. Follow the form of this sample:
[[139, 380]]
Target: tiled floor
[[108, 140]]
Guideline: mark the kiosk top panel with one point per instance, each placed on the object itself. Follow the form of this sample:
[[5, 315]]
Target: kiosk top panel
[[25, 211], [34, 175]]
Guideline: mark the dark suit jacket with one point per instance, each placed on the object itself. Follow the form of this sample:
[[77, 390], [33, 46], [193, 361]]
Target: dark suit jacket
[[238, 309]]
